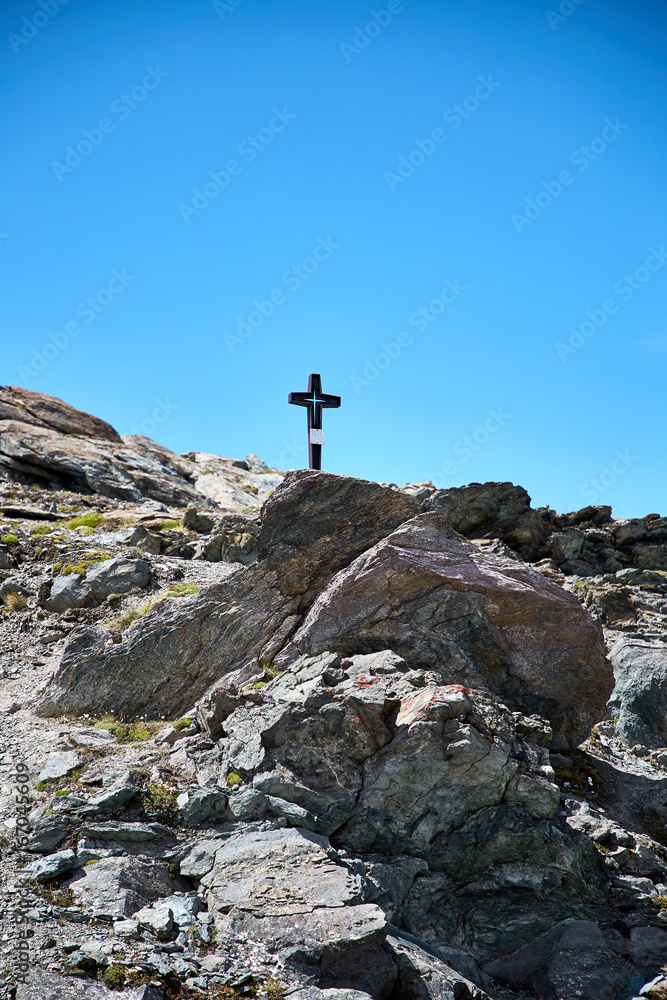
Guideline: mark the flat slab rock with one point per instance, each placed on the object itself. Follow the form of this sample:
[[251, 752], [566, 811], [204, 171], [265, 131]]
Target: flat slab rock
[[118, 887]]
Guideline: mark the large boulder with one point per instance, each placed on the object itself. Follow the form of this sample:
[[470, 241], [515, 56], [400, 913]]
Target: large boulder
[[317, 523], [479, 505], [391, 763], [287, 890], [313, 525], [481, 620], [111, 576], [639, 700]]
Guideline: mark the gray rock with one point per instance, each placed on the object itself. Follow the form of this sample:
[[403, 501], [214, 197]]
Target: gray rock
[[199, 860], [49, 833], [639, 698], [313, 993], [46, 869], [157, 918], [115, 888], [58, 765], [247, 804], [204, 805], [14, 586], [112, 576], [255, 464], [117, 795], [572, 959], [479, 505]]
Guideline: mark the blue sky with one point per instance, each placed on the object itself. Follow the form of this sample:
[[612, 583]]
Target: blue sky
[[453, 211]]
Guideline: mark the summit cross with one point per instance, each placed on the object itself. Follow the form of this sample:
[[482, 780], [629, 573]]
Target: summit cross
[[316, 401]]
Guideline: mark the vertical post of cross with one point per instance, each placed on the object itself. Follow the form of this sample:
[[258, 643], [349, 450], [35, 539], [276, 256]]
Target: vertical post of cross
[[315, 401]]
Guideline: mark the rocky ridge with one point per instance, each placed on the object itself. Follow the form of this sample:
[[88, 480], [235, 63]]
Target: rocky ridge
[[328, 750]]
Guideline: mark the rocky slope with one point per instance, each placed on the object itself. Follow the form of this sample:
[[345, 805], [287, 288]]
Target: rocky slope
[[364, 741]]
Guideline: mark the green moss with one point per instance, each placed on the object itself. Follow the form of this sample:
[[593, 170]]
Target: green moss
[[9, 540], [234, 779], [41, 786], [273, 989], [42, 529], [259, 684], [182, 724], [84, 521], [57, 567], [86, 530], [115, 977], [128, 732], [88, 560], [250, 489], [63, 791], [175, 525], [209, 472], [182, 589]]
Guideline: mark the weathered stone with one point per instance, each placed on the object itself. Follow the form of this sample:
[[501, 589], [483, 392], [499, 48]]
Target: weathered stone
[[571, 960], [203, 805], [199, 860], [118, 887], [157, 918], [316, 523], [639, 699], [46, 869], [49, 833], [480, 505], [59, 765], [480, 620], [112, 576]]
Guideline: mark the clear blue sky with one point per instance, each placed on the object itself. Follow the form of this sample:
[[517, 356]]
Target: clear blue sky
[[305, 111]]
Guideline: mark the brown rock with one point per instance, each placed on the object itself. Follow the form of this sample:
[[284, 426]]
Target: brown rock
[[481, 620]]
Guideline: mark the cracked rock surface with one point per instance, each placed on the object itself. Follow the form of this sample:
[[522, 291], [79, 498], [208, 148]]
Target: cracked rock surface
[[376, 742]]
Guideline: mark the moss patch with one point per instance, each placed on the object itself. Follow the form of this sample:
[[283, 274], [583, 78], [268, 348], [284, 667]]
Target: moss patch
[[41, 529], [84, 521]]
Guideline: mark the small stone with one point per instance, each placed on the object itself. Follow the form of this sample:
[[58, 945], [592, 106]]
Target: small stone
[[58, 765], [248, 804], [45, 869]]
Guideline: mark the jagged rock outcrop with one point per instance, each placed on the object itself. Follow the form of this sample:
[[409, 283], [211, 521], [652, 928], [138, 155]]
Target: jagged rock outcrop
[[639, 700], [44, 440], [421, 590]]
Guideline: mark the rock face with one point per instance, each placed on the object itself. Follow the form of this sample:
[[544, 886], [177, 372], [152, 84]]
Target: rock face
[[288, 890], [419, 589], [639, 699], [44, 440], [484, 621], [112, 576], [377, 792]]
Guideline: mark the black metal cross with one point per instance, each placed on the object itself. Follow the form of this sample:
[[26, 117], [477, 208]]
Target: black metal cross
[[316, 401]]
